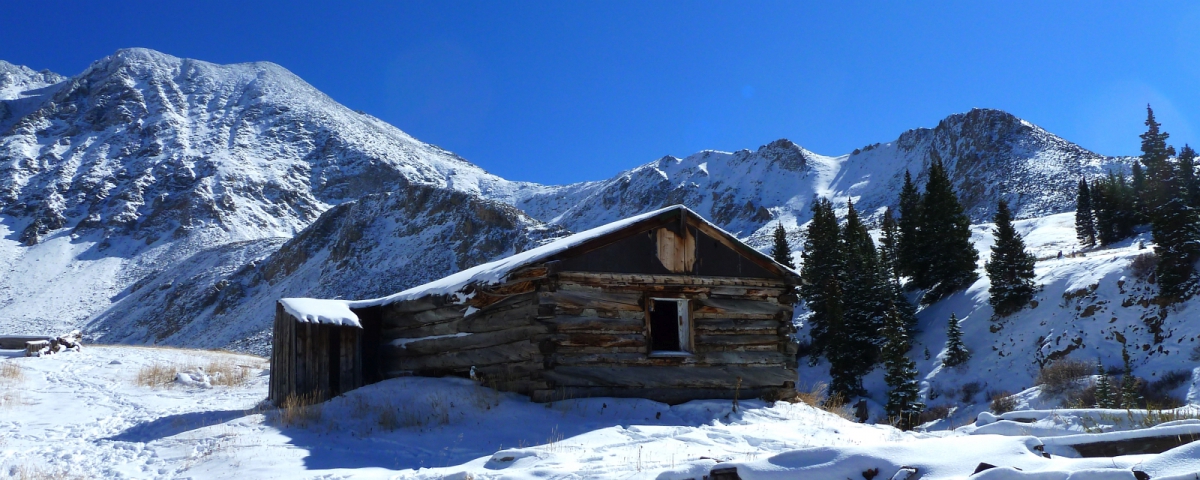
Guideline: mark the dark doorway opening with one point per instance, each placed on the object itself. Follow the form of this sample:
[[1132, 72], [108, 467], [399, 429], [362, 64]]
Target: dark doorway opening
[[335, 364], [664, 326]]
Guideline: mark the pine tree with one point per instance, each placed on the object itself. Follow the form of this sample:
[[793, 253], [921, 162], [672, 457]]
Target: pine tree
[[904, 398], [867, 298], [1139, 209], [1130, 398], [1189, 182], [956, 352], [1085, 225], [1010, 268], [781, 251], [889, 246], [1105, 397], [1155, 154], [820, 271], [1177, 245], [908, 244], [946, 260]]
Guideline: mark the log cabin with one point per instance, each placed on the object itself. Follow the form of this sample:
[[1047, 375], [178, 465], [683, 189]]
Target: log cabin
[[664, 306]]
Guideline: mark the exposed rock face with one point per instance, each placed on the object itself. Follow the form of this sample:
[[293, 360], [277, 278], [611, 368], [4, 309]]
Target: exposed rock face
[[990, 154], [378, 245]]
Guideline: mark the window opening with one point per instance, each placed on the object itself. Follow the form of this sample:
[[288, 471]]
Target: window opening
[[669, 326]]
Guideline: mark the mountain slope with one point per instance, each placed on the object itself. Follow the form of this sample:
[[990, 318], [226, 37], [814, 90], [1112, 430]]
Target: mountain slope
[[371, 247], [144, 159]]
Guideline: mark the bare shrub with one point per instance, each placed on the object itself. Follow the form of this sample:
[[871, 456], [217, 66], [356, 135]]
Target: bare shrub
[[224, 371], [936, 412], [1195, 355], [1143, 265], [969, 391], [1061, 375], [1002, 402], [817, 396], [1158, 393]]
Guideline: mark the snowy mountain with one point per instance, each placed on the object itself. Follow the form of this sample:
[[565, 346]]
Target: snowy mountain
[[990, 155], [377, 245], [144, 159]]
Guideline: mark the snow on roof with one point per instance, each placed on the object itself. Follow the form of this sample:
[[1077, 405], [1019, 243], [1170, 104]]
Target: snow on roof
[[333, 312], [486, 274]]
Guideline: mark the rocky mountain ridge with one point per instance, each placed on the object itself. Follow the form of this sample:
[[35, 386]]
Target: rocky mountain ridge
[[150, 188]]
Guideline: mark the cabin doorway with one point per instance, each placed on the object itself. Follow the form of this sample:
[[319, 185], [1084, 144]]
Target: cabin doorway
[[670, 326]]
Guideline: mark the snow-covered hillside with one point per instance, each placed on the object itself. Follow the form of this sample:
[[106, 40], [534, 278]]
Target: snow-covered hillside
[[377, 245], [144, 159]]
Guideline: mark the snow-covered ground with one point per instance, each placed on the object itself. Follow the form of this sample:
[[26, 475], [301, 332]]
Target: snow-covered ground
[[85, 415]]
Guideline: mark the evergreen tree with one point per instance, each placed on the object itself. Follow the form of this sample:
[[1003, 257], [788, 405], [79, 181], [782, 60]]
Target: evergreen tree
[[1130, 398], [946, 259], [867, 298], [1138, 197], [820, 274], [1105, 397], [1010, 268], [908, 245], [1177, 245], [889, 246], [1189, 182], [781, 251], [904, 397], [956, 352], [1151, 189], [1104, 205], [1085, 226]]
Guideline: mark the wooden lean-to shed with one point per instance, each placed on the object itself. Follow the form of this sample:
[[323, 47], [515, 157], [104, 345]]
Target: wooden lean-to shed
[[664, 306]]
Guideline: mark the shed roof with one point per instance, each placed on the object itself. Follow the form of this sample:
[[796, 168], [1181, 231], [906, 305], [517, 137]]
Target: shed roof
[[496, 272]]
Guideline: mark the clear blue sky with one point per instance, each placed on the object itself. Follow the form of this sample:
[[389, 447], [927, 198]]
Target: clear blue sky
[[567, 91]]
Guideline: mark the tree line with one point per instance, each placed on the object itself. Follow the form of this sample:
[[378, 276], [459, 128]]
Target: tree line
[[856, 291], [1162, 191]]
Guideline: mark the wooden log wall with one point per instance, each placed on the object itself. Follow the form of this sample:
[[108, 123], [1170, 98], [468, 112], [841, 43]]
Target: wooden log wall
[[313, 361], [500, 341], [598, 339]]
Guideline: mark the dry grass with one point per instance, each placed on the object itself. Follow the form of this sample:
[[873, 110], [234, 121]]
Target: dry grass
[[26, 472], [817, 396], [221, 372], [299, 411], [1002, 402], [11, 371]]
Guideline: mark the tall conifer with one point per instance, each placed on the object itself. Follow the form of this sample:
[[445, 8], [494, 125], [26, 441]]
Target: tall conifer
[[908, 226], [820, 273], [1085, 225], [946, 260], [1189, 182], [904, 404], [1010, 268], [889, 245], [1155, 154], [781, 251], [868, 296]]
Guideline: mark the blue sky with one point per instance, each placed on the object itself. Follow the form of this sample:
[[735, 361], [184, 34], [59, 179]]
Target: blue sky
[[565, 91]]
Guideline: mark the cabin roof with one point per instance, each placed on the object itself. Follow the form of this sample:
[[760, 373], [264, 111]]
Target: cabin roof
[[495, 272]]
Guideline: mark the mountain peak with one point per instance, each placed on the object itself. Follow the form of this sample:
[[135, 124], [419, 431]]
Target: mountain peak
[[785, 153]]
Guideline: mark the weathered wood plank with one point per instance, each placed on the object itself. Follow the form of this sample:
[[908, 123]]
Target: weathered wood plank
[[738, 340], [491, 321], [739, 306], [597, 279], [601, 340], [520, 351], [669, 376], [716, 326], [570, 349], [642, 359], [454, 345], [570, 323], [393, 319], [594, 299]]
